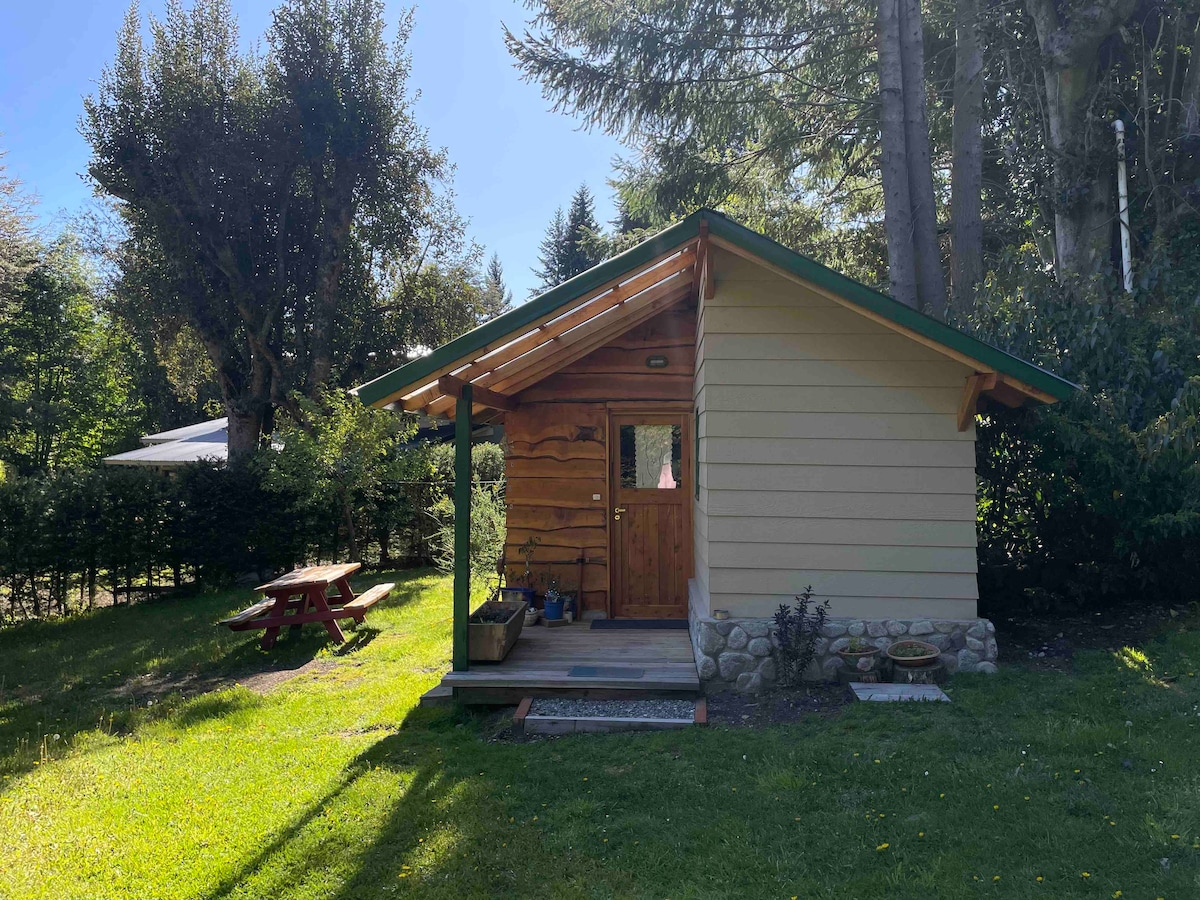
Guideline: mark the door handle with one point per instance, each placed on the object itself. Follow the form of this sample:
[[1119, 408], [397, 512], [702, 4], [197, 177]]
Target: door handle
[[617, 510]]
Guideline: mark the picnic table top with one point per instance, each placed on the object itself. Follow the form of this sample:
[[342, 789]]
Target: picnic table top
[[310, 575]]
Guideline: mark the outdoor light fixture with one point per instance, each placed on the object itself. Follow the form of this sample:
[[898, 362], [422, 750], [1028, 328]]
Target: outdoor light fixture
[[658, 361]]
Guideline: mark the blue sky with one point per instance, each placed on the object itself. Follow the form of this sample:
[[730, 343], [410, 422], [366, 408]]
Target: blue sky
[[516, 161]]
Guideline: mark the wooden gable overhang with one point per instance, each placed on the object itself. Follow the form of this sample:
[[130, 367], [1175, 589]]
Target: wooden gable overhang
[[550, 332], [540, 342]]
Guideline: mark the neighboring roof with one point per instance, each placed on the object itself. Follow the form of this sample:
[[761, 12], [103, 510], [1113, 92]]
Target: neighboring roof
[[512, 349], [212, 426], [200, 442]]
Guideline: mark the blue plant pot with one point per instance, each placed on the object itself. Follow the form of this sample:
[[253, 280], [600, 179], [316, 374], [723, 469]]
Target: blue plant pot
[[554, 609]]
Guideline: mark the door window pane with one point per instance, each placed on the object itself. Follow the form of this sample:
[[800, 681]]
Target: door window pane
[[651, 456]]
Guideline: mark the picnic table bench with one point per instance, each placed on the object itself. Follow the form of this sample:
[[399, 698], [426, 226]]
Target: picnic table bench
[[303, 596]]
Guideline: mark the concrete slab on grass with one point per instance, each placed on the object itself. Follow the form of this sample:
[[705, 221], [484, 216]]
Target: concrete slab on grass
[[894, 693]]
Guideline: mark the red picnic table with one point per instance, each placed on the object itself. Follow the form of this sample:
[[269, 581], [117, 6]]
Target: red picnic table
[[303, 596]]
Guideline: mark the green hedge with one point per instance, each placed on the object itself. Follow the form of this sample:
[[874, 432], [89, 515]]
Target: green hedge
[[77, 537]]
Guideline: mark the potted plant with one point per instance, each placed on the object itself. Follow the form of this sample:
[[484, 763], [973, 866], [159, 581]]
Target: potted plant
[[523, 592], [859, 654], [493, 629], [912, 653], [553, 603]]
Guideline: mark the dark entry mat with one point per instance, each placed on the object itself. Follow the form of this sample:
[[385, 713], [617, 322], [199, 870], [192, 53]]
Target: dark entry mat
[[647, 624], [605, 672]]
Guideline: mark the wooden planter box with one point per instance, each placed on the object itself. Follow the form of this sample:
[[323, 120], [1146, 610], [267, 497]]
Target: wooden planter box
[[491, 641]]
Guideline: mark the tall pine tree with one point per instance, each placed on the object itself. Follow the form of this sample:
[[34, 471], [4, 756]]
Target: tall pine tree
[[495, 297], [572, 243]]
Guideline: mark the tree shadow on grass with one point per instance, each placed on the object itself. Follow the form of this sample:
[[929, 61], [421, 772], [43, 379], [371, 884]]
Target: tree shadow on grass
[[61, 677], [424, 827]]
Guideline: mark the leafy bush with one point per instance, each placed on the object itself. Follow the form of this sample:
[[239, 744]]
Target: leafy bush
[[797, 630], [1096, 498]]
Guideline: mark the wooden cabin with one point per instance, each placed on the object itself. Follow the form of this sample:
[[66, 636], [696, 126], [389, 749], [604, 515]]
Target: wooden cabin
[[706, 424]]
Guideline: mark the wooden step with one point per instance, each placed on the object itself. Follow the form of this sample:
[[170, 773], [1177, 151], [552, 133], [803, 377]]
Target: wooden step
[[441, 695], [527, 722]]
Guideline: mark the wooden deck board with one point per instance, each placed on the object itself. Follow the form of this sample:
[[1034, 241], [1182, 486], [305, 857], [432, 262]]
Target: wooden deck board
[[542, 658]]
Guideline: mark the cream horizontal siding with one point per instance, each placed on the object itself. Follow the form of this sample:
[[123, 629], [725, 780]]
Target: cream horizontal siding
[[838, 557], [804, 398], [777, 345], [741, 603], [848, 373], [847, 583], [842, 505], [830, 456], [795, 532], [839, 479], [851, 426], [839, 452], [792, 320]]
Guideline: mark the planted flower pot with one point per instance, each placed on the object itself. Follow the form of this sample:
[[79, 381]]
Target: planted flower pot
[[859, 655], [552, 607], [912, 653], [493, 629]]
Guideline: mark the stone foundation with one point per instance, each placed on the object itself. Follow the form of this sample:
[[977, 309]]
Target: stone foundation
[[739, 653]]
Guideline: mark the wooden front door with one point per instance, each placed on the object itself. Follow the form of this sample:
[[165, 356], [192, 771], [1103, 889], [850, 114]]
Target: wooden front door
[[650, 521]]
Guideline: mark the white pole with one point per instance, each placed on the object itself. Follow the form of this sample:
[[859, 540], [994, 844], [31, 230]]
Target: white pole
[[1123, 206]]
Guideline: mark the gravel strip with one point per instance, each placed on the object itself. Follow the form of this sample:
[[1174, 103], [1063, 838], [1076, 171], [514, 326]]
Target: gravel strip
[[641, 709]]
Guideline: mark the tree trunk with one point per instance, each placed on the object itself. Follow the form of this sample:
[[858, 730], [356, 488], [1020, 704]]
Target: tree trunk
[[897, 203], [1190, 96], [338, 204], [931, 283], [245, 428], [1080, 144], [966, 167]]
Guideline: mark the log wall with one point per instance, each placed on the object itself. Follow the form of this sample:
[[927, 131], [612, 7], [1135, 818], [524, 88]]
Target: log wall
[[556, 454]]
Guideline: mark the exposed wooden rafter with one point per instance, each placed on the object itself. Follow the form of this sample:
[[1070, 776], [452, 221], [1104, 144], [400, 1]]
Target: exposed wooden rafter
[[452, 386], [613, 295], [536, 364], [976, 385]]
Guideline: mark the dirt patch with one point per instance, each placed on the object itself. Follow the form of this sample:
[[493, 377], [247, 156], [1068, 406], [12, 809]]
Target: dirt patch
[[1049, 642], [265, 682], [777, 707]]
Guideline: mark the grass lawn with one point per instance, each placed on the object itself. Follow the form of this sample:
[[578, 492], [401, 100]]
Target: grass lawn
[[334, 785]]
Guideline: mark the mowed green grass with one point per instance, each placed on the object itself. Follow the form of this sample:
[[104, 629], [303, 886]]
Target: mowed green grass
[[335, 785]]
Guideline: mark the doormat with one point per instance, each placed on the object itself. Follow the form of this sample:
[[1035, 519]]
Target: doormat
[[604, 672], [637, 624]]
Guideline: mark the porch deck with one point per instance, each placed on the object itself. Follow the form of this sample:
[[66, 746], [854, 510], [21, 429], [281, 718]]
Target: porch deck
[[539, 664]]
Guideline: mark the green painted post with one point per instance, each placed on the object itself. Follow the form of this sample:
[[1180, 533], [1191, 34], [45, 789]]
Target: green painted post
[[462, 527]]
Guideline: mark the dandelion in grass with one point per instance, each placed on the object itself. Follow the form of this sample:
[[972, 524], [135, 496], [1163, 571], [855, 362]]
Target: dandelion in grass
[[883, 846], [1040, 879]]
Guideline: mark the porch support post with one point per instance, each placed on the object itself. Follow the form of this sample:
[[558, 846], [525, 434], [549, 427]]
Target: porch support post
[[462, 526]]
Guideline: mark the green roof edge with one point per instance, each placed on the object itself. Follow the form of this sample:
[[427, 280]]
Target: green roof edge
[[751, 241]]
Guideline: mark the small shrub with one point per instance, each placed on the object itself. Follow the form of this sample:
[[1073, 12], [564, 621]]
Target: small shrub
[[797, 629]]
